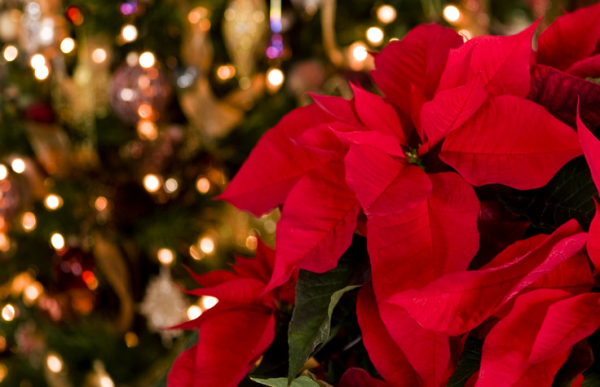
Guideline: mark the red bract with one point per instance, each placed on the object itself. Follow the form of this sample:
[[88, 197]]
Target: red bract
[[234, 333]]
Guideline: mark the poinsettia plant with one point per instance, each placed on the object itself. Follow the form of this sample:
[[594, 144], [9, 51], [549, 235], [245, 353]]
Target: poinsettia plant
[[434, 233]]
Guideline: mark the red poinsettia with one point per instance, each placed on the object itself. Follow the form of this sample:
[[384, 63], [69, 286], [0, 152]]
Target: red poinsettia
[[233, 334], [568, 54], [329, 161]]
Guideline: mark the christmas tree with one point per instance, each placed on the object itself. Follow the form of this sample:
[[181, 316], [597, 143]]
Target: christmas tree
[[120, 122]]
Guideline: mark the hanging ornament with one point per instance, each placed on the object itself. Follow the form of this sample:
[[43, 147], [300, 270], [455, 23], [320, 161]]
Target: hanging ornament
[[163, 306], [41, 25], [244, 28], [196, 47], [137, 92]]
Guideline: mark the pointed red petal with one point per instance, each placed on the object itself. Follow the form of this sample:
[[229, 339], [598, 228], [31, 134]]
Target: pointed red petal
[[275, 164], [212, 278], [324, 139], [417, 100], [457, 68], [510, 141], [183, 370], [559, 92], [228, 345], [381, 182], [463, 300], [557, 46], [566, 323], [388, 359], [417, 59], [591, 149], [338, 108], [414, 247], [507, 346], [378, 115], [449, 110], [593, 243], [317, 223], [383, 142], [428, 352], [502, 62], [587, 68], [573, 275], [243, 290], [260, 267], [357, 377]]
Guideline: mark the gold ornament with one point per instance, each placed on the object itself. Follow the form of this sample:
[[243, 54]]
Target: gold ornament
[[245, 28]]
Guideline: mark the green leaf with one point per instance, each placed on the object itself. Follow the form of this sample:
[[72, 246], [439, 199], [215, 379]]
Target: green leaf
[[568, 195], [468, 363], [316, 298], [302, 381]]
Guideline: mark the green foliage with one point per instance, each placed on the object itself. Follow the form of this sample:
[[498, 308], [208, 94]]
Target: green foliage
[[567, 196], [468, 363], [316, 297]]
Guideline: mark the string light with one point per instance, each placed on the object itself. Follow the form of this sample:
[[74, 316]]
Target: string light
[[33, 291], [451, 14], [208, 302], [41, 72], [171, 185], [4, 242], [67, 45], [106, 381], [29, 221], [37, 60], [3, 172], [207, 245], [152, 183], [195, 253], [147, 130], [2, 349], [193, 312], [10, 53], [101, 203], [54, 363], [131, 340], [466, 34], [3, 372], [8, 312], [47, 31], [90, 279], [375, 35], [129, 32], [165, 256], [357, 56], [18, 165], [53, 202], [57, 241], [225, 72], [203, 185], [99, 55], [145, 111], [147, 60], [275, 79], [252, 242], [386, 14], [359, 52]]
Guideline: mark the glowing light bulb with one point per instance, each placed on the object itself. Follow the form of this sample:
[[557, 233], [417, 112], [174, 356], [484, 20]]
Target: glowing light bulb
[[101, 203], [57, 241], [54, 363], [18, 165], [252, 242], [145, 111], [28, 221], [275, 77], [10, 53], [41, 72], [165, 256], [466, 34], [451, 14], [99, 55], [152, 183], [53, 202], [208, 302], [4, 242], [359, 52], [33, 291], [3, 371], [106, 381], [207, 245], [171, 185], [147, 60], [386, 14], [147, 130], [3, 172], [67, 45], [37, 60], [375, 35], [225, 72], [8, 312], [129, 32], [203, 185], [196, 253], [131, 339], [193, 312]]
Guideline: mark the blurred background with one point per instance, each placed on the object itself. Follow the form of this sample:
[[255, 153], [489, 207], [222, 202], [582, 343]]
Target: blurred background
[[119, 124]]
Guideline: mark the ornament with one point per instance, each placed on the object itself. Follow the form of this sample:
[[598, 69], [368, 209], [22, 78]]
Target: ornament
[[244, 29], [41, 25], [196, 47], [163, 306], [138, 93]]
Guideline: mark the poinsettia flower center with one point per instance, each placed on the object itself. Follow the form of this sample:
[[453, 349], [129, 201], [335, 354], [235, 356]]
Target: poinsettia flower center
[[413, 158]]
